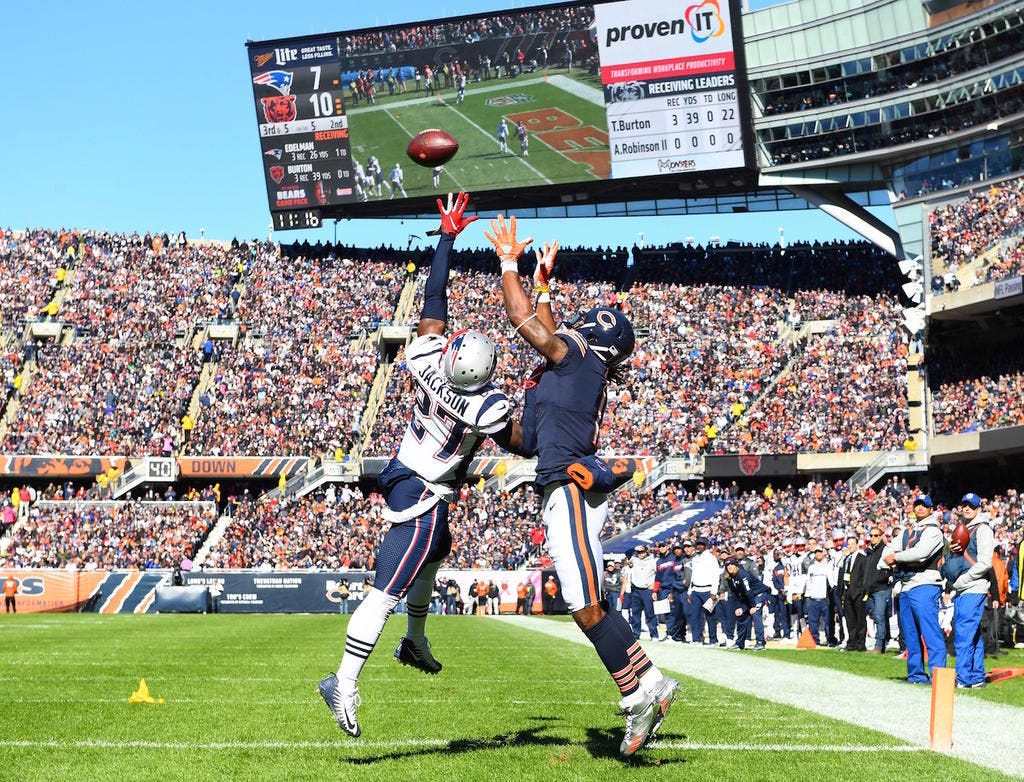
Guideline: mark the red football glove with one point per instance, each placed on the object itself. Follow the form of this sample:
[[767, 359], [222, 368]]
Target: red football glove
[[452, 221], [545, 265]]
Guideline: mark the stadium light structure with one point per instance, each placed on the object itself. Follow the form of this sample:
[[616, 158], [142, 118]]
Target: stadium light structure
[[913, 270], [913, 317]]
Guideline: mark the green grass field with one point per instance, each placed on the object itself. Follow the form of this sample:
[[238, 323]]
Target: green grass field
[[511, 704], [568, 134]]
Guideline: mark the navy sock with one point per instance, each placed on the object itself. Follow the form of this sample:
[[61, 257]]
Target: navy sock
[[608, 643], [638, 658]]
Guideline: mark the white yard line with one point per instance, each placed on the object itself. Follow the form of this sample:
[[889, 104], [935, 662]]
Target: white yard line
[[983, 733], [580, 90], [423, 742]]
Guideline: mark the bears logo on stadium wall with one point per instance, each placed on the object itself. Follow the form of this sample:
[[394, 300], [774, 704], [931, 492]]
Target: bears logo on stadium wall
[[277, 173], [750, 463], [279, 108]]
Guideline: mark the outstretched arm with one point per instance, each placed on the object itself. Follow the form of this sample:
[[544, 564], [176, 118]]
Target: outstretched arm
[[517, 305], [542, 276], [434, 314]]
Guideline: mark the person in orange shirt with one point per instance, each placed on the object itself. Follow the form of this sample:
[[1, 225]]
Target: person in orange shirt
[[481, 597], [550, 590], [10, 591], [521, 598]]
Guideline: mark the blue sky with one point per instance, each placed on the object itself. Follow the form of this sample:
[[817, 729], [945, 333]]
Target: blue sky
[[140, 117]]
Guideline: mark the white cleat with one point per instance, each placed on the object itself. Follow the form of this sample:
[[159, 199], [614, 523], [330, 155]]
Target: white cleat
[[342, 706]]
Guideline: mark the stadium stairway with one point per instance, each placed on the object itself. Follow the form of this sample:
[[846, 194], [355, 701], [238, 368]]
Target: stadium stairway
[[213, 537], [15, 401]]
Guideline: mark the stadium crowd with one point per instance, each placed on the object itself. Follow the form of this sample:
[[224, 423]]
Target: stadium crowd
[[713, 343], [967, 227], [284, 397], [978, 389], [32, 264], [106, 535], [98, 397], [468, 30], [338, 528], [150, 287]]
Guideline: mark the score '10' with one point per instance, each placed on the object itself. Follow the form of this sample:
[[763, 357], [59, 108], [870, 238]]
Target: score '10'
[[323, 103], [730, 138]]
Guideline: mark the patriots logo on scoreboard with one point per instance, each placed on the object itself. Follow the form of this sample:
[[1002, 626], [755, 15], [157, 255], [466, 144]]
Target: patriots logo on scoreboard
[[280, 108], [274, 152], [277, 173], [279, 80]]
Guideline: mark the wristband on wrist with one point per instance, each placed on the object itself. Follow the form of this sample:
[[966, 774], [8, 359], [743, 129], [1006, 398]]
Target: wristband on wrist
[[509, 265], [543, 297], [544, 288]]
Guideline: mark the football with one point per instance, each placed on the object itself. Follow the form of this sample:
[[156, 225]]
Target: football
[[961, 535], [431, 148]]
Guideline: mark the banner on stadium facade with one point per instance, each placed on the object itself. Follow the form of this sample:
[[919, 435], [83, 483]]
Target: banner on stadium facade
[[1011, 287], [737, 465], [240, 467], [59, 466], [675, 523], [53, 591], [286, 591]]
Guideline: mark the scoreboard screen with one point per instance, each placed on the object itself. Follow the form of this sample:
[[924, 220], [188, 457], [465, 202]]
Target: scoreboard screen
[[598, 101], [302, 122]]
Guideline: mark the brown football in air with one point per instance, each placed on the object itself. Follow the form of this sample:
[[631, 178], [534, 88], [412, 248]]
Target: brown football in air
[[961, 535], [431, 148]]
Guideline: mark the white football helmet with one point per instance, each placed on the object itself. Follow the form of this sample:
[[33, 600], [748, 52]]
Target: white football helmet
[[469, 359]]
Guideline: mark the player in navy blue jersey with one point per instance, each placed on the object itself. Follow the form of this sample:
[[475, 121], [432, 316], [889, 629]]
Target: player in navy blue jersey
[[565, 402], [456, 406]]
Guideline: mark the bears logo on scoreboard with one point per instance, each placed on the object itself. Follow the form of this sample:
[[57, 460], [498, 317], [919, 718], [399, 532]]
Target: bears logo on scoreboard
[[279, 108], [277, 173]]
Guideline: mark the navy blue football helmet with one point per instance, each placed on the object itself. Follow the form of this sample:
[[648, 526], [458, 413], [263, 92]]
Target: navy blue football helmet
[[609, 333]]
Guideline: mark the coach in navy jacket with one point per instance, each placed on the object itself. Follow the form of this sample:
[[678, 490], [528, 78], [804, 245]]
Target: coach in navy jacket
[[749, 595]]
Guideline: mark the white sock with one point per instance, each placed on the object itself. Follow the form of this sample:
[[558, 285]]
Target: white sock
[[364, 629], [418, 602], [633, 699], [650, 680]]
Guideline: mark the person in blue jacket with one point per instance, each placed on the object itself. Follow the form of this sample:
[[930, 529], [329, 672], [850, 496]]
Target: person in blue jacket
[[968, 573], [748, 595], [666, 582]]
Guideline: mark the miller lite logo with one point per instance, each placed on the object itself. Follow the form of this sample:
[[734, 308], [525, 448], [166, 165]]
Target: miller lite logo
[[262, 59], [277, 173], [279, 108], [285, 56], [750, 463]]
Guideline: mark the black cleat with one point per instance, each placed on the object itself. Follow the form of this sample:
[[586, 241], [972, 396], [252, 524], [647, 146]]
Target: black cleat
[[408, 653]]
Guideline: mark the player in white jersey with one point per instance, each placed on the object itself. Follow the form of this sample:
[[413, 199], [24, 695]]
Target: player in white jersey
[[455, 408], [398, 181], [502, 135], [360, 183]]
